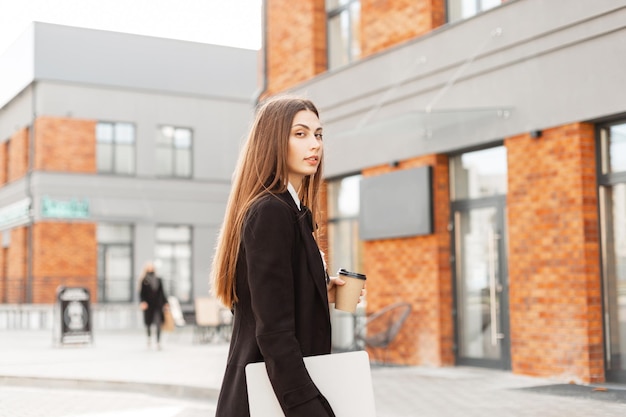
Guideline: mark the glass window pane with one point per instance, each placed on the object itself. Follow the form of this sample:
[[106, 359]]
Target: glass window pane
[[104, 158], [337, 50], [479, 174], [104, 132], [182, 138], [114, 233], [164, 251], [345, 247], [124, 133], [468, 8], [166, 133], [344, 197], [348, 198], [489, 4], [182, 250], [173, 234], [617, 148], [115, 273], [124, 159], [183, 163], [355, 27], [164, 162], [476, 229], [165, 269], [333, 4], [340, 240], [173, 260], [463, 9], [614, 271], [183, 280]]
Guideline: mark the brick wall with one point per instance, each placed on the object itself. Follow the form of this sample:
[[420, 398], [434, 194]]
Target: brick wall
[[416, 270], [388, 23], [4, 162], [16, 271], [296, 42], [17, 161], [555, 290], [66, 145], [63, 254]]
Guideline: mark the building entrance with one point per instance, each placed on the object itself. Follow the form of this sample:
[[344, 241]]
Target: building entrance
[[481, 287], [612, 200]]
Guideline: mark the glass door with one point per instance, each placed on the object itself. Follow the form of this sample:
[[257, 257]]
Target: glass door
[[613, 208], [481, 311], [612, 199]]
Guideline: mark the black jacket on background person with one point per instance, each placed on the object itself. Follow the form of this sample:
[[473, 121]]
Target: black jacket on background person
[[155, 297], [282, 311]]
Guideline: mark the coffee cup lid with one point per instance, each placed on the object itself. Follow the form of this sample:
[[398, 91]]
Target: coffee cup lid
[[351, 274]]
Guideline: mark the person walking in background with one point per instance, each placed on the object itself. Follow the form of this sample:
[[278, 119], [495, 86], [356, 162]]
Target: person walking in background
[[153, 302], [268, 268]]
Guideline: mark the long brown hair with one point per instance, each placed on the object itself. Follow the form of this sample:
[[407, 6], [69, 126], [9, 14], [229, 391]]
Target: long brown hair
[[261, 169]]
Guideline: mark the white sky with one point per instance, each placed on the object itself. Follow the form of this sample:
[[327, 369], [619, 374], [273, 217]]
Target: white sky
[[222, 22]]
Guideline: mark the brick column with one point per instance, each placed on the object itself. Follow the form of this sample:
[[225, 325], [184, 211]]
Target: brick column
[[296, 42], [416, 270], [16, 266], [4, 162], [388, 23], [17, 160], [63, 254], [555, 286], [66, 145]]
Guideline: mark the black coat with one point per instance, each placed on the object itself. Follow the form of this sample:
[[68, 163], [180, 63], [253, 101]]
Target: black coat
[[155, 298], [282, 314]]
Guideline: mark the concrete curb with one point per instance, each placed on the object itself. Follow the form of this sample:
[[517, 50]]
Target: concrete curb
[[174, 391]]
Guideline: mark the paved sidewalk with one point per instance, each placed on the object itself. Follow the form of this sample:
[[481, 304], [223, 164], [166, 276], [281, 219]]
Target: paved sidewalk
[[120, 361]]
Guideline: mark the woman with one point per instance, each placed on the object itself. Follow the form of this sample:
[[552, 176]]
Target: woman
[[153, 301], [268, 267]]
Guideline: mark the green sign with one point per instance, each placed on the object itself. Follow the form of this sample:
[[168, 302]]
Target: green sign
[[65, 209]]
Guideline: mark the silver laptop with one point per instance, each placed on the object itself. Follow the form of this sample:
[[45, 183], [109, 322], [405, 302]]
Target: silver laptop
[[343, 378]]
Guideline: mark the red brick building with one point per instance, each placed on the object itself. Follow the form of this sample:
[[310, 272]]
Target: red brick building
[[109, 158], [515, 107]]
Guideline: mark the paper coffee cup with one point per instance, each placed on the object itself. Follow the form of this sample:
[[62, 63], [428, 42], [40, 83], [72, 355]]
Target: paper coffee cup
[[347, 296]]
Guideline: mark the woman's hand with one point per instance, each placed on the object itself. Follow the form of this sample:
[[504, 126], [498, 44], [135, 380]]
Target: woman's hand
[[143, 306], [331, 287]]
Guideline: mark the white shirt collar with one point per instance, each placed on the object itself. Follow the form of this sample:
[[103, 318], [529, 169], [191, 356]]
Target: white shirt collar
[[294, 195]]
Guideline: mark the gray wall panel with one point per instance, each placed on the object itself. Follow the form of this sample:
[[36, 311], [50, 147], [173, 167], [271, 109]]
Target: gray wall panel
[[134, 61], [135, 199]]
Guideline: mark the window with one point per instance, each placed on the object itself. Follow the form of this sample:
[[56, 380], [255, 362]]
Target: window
[[613, 149], [462, 9], [115, 148], [344, 39], [478, 174], [343, 229], [173, 152], [173, 260], [612, 200], [115, 263]]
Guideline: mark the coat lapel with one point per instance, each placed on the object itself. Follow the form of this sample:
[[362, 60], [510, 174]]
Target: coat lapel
[[314, 261]]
